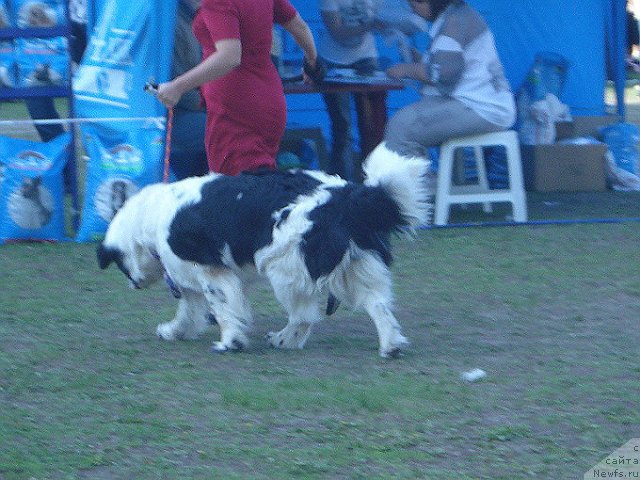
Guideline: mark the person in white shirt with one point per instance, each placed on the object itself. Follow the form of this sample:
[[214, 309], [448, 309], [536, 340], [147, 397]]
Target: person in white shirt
[[464, 92]]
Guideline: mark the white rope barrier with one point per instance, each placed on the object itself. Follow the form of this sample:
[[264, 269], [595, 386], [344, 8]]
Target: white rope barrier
[[16, 123]]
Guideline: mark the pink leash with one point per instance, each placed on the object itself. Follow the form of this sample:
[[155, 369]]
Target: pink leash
[[152, 87], [167, 147]]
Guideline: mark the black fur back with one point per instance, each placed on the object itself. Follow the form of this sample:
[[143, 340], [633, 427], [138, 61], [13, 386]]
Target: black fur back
[[366, 215], [236, 211]]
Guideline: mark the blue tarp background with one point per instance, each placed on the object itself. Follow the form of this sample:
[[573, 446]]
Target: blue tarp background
[[589, 33]]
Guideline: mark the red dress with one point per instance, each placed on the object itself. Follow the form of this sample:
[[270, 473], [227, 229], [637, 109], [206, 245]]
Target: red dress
[[246, 109]]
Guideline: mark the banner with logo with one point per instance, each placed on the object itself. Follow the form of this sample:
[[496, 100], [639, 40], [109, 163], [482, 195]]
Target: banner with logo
[[31, 189], [121, 163], [130, 44]]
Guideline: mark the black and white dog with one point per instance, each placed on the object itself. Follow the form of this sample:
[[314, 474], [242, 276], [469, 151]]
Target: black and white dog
[[312, 235]]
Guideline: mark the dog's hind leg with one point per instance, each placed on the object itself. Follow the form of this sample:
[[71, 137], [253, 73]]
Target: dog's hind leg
[[389, 333], [191, 318], [230, 307], [367, 284], [303, 311]]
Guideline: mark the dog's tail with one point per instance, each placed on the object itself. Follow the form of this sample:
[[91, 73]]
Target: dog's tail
[[404, 180]]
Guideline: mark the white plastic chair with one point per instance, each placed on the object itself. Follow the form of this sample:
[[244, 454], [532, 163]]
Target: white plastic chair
[[448, 194]]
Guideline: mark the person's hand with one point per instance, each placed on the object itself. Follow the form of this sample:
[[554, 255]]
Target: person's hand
[[414, 71], [314, 73], [169, 94], [399, 71]]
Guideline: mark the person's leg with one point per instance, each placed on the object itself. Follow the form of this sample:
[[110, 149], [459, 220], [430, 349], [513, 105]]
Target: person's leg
[[378, 102], [78, 42], [188, 154], [339, 110], [431, 121], [43, 108], [371, 109]]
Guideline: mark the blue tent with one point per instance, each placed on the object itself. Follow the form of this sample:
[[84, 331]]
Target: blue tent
[[589, 33]]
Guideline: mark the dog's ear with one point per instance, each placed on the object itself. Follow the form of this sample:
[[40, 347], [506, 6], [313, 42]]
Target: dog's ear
[[105, 256]]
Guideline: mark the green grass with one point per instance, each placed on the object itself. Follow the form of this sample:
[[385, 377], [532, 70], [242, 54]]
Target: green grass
[[550, 313]]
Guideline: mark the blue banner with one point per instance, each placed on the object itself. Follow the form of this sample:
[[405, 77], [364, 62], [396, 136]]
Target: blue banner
[[129, 44], [31, 188]]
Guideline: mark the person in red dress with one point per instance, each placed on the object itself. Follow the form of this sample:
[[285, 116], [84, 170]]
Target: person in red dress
[[240, 85]]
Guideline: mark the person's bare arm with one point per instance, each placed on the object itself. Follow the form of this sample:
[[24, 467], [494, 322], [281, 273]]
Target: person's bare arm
[[227, 56], [302, 35], [415, 71]]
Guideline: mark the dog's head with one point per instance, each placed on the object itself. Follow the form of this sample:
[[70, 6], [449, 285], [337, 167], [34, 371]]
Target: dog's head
[[123, 246], [30, 188], [118, 194]]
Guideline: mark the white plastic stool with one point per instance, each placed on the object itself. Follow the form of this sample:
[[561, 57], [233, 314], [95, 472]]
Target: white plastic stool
[[448, 194]]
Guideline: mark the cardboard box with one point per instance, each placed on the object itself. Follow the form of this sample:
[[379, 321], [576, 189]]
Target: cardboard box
[[584, 126], [564, 168], [564, 130], [589, 126]]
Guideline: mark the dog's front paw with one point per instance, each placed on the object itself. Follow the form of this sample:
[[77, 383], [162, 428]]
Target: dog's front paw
[[395, 352], [166, 332], [273, 340], [395, 349], [235, 346], [292, 336], [277, 340]]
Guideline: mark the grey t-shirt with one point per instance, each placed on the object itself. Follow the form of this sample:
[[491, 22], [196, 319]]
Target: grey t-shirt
[[352, 13]]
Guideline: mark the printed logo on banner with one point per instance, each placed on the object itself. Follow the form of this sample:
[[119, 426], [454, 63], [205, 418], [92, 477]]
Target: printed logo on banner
[[31, 205], [30, 160], [111, 195], [121, 163], [123, 158], [128, 46], [115, 50], [105, 83]]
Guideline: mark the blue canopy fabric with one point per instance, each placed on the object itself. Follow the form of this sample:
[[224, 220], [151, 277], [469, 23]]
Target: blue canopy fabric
[[577, 32], [616, 35]]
